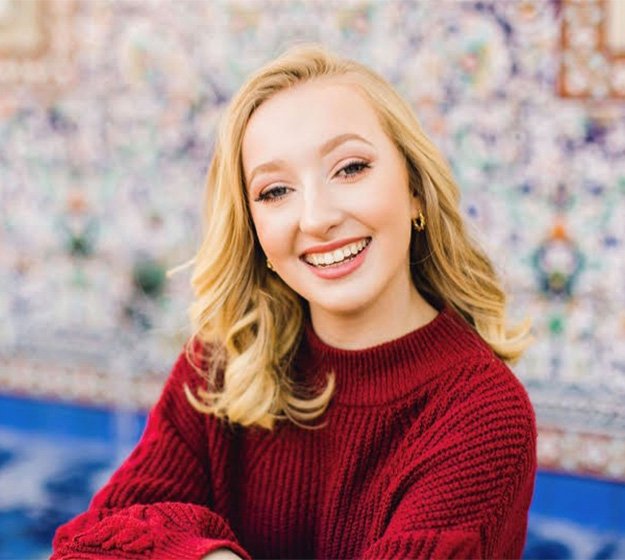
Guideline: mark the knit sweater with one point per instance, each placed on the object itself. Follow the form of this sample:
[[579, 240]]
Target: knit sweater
[[428, 451]]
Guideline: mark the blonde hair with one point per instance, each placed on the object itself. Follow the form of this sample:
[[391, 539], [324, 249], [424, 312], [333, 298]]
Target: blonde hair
[[252, 322]]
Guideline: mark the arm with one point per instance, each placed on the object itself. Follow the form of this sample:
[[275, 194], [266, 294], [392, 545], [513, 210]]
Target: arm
[[466, 482], [158, 503]]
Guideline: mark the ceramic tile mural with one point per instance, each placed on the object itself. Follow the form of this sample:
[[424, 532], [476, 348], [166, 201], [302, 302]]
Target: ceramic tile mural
[[593, 49], [101, 178], [35, 42]]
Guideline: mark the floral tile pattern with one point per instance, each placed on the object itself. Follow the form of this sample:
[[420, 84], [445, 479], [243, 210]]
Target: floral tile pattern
[[101, 179]]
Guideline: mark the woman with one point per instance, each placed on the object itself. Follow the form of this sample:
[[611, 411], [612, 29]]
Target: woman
[[344, 394]]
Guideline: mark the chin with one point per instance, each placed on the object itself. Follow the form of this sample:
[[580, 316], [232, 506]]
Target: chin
[[341, 305]]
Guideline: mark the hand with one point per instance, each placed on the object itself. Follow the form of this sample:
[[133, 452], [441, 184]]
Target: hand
[[222, 554]]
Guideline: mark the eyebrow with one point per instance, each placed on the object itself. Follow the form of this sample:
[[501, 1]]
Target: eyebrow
[[331, 144], [324, 149]]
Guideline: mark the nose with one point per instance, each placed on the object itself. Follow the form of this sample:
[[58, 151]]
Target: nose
[[319, 211]]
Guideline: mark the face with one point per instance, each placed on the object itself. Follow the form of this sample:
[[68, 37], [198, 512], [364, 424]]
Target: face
[[328, 194]]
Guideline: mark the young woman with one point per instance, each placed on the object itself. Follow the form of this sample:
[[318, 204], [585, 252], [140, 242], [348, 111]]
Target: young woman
[[345, 393]]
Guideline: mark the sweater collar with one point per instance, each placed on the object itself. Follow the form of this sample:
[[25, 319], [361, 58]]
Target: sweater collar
[[388, 371]]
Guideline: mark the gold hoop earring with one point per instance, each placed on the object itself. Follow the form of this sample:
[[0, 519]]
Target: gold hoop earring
[[270, 266], [419, 222]]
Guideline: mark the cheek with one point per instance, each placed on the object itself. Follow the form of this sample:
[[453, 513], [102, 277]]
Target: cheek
[[272, 233], [388, 201], [388, 213]]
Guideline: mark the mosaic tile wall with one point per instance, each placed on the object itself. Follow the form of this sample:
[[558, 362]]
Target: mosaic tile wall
[[107, 114]]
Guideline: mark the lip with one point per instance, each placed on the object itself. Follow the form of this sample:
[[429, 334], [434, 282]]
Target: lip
[[325, 248], [333, 272]]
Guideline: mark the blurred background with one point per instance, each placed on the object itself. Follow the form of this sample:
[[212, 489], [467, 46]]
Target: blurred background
[[107, 116]]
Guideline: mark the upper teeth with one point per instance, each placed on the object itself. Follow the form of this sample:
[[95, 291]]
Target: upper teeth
[[337, 255]]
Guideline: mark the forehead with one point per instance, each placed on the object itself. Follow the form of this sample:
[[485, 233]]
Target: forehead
[[308, 113]]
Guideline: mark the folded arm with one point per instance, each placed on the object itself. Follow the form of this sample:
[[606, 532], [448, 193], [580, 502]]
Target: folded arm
[[158, 503]]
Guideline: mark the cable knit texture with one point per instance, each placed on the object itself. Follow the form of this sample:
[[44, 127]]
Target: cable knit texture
[[428, 451]]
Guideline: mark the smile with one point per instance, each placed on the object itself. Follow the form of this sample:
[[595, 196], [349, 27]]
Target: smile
[[340, 255]]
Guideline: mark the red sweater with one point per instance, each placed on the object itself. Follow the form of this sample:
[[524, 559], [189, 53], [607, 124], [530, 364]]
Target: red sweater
[[428, 452]]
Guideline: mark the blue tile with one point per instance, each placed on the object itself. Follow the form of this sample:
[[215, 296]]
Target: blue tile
[[587, 501]]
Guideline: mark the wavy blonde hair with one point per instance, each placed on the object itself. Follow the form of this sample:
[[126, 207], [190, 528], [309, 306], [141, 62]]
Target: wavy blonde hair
[[252, 322]]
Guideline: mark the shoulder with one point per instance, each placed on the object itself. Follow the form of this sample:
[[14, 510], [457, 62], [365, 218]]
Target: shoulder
[[484, 373], [174, 410], [479, 416], [476, 417], [477, 378], [471, 393], [468, 457], [482, 387]]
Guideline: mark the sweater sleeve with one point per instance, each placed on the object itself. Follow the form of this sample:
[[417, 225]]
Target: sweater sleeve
[[158, 503], [466, 485]]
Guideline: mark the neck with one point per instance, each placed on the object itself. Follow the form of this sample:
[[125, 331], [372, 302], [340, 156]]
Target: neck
[[387, 319]]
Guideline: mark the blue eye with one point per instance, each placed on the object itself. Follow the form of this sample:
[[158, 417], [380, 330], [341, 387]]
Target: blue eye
[[274, 193], [353, 168]]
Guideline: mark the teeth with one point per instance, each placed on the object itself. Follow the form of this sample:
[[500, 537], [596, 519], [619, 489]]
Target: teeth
[[336, 256]]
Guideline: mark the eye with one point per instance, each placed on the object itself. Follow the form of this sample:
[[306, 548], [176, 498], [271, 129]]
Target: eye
[[273, 193], [353, 168]]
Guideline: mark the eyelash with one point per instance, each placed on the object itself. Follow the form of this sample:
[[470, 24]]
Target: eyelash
[[361, 165], [272, 195]]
